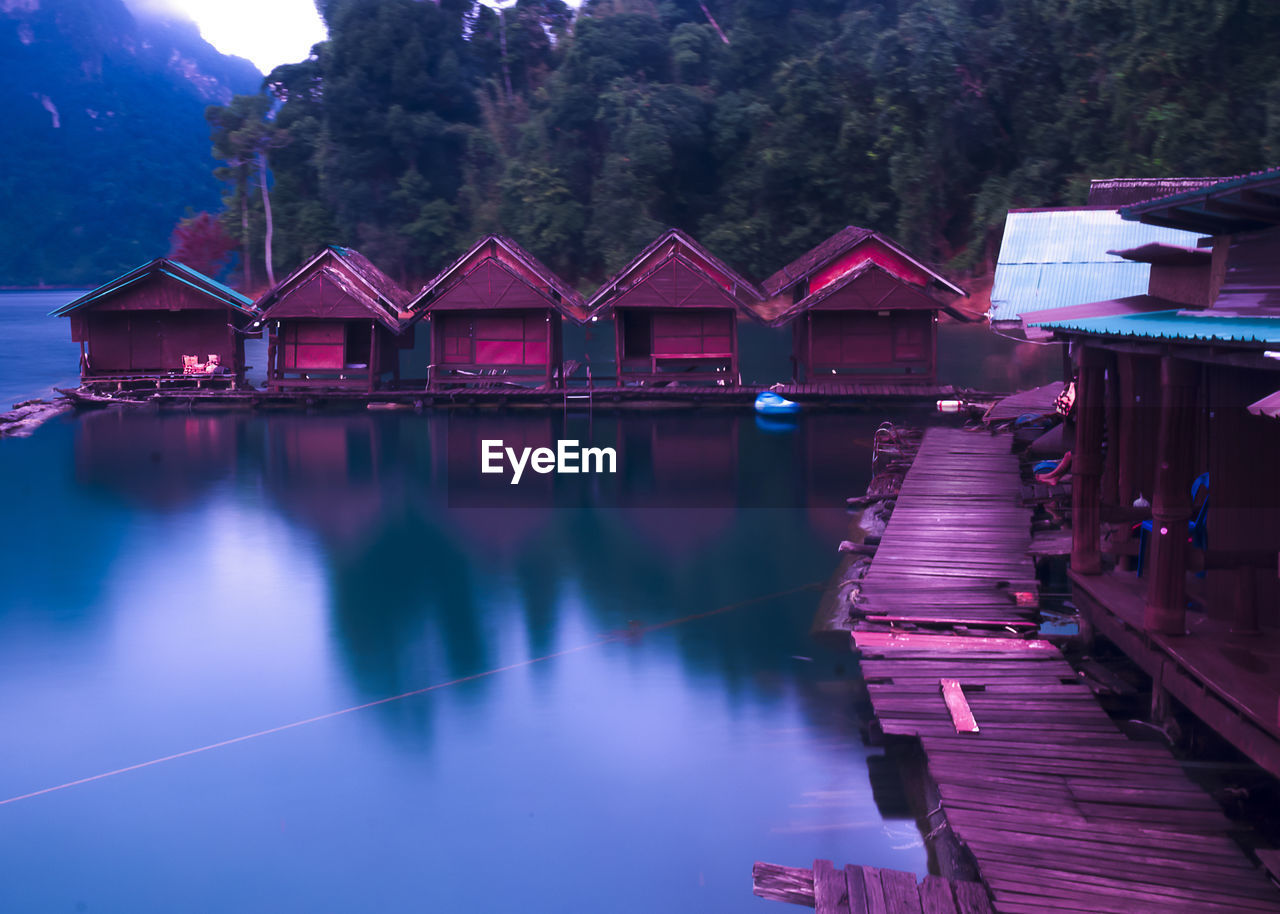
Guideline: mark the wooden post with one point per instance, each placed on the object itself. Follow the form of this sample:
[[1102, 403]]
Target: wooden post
[[619, 345], [933, 347], [436, 353], [1166, 608], [1086, 464], [551, 354], [373, 354], [735, 374], [273, 358], [1126, 429], [558, 336], [1111, 418]]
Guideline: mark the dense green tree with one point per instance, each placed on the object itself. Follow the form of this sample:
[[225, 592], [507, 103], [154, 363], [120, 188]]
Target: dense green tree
[[760, 125]]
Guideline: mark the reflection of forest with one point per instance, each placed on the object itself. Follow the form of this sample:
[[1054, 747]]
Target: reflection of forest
[[422, 592]]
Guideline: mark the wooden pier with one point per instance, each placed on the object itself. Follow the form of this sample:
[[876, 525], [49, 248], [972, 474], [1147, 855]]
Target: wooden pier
[[1050, 805], [956, 548]]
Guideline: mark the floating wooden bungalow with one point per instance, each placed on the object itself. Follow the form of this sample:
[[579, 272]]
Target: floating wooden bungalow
[[1180, 396], [335, 322], [143, 323], [496, 313], [861, 308], [675, 308]]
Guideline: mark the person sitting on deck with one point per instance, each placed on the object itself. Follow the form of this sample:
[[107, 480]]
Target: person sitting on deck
[[1054, 476], [1065, 405]]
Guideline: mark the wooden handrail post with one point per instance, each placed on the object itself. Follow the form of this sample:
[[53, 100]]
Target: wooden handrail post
[[1086, 463], [1166, 607]]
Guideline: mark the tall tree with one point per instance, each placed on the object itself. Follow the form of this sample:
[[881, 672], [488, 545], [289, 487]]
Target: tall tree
[[243, 134]]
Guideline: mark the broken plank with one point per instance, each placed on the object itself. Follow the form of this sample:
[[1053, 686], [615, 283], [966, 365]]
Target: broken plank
[[782, 883], [961, 714], [830, 890]]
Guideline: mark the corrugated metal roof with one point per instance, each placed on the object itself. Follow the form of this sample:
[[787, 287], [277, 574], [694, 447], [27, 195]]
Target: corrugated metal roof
[[1176, 325], [1054, 258]]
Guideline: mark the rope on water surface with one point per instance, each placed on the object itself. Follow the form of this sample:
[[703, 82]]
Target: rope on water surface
[[616, 636]]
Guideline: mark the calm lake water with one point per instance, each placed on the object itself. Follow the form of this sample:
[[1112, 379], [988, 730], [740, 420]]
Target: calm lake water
[[172, 581], [36, 352], [625, 710]]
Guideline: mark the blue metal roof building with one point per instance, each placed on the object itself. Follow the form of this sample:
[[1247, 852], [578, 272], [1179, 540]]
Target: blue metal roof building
[[1053, 258], [1187, 326]]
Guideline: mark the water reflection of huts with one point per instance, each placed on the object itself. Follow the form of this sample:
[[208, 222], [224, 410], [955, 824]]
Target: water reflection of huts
[[416, 584]]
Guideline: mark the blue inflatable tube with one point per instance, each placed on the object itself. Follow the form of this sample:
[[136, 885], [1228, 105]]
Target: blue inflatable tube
[[772, 404]]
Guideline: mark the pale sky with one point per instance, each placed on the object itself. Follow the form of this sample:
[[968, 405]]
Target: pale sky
[[267, 32]]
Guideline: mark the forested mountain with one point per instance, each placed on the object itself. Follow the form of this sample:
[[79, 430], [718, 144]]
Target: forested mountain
[[761, 126], [105, 142]]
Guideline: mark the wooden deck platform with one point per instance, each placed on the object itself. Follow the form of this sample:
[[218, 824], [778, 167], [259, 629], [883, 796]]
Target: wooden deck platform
[[496, 392], [1057, 809], [866, 890], [1229, 680]]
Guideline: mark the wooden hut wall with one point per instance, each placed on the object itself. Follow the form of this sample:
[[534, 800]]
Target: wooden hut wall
[[1186, 285], [321, 329], [1251, 279], [487, 286], [495, 316], [319, 297], [495, 339], [698, 332], [872, 343], [1243, 521], [1137, 423], [149, 328], [680, 315], [701, 265], [340, 350]]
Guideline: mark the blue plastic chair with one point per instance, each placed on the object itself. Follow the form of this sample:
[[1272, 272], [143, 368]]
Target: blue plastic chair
[[1196, 530]]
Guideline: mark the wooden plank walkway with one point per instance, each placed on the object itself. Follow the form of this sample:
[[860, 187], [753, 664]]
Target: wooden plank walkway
[[958, 537], [1059, 810], [866, 890]]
